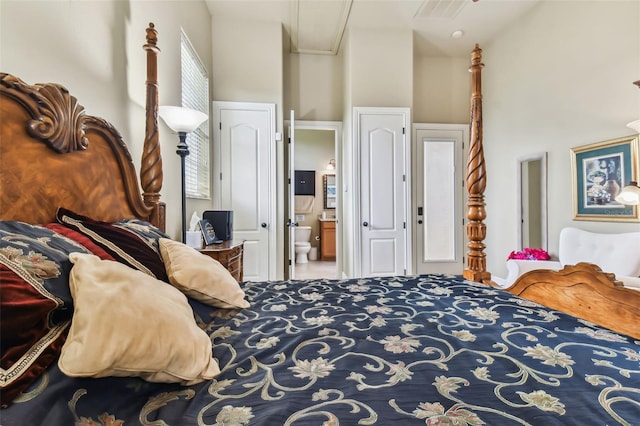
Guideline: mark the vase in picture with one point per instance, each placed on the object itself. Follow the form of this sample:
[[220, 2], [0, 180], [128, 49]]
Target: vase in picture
[[612, 187]]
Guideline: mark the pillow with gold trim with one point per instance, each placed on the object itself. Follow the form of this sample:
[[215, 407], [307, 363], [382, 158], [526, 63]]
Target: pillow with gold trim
[[118, 239], [35, 301], [200, 276], [142, 313]]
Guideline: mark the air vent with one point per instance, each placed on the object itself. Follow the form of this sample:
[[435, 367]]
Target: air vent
[[440, 9]]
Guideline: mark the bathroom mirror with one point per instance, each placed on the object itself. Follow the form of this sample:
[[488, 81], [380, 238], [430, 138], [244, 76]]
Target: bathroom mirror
[[329, 189], [532, 201]]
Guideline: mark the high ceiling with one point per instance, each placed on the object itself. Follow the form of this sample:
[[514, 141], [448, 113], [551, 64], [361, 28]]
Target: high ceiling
[[317, 26]]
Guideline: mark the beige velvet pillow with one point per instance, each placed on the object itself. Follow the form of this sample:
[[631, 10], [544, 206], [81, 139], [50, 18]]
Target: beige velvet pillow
[[201, 277], [127, 323]]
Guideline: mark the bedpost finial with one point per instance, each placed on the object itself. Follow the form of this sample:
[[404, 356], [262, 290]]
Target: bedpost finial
[[152, 36], [476, 56]]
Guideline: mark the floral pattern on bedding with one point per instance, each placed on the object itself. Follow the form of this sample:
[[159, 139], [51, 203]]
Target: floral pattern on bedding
[[35, 302], [431, 349]]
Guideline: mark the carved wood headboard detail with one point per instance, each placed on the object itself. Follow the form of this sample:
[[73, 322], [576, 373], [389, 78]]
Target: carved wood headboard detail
[[54, 155]]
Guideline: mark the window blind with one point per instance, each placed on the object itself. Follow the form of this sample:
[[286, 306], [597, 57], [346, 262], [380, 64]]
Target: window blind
[[195, 95]]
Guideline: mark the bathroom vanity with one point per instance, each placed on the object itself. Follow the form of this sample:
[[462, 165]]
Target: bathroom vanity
[[327, 239]]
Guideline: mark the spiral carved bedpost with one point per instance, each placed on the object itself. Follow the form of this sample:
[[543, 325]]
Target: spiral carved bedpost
[[151, 169], [476, 180]]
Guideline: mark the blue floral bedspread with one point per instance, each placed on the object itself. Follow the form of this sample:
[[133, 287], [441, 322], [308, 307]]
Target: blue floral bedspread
[[431, 349]]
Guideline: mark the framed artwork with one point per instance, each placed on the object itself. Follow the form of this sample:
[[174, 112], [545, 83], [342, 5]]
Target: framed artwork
[[208, 233], [600, 171]]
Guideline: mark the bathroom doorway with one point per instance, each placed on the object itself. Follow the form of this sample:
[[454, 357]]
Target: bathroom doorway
[[317, 149]]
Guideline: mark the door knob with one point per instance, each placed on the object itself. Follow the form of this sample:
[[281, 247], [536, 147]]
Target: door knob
[[420, 222], [263, 224], [365, 223]]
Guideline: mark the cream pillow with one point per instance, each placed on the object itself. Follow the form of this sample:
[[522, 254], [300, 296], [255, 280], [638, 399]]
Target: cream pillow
[[201, 277], [127, 323]]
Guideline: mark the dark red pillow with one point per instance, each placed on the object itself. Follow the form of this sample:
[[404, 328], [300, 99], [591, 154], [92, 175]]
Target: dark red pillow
[[121, 243], [35, 301], [80, 239]]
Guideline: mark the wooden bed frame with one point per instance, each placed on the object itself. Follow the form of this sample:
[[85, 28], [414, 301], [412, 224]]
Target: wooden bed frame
[[54, 155], [581, 290]]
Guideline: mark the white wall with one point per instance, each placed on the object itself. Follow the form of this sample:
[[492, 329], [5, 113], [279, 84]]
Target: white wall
[[313, 86], [95, 50], [381, 66], [561, 77], [441, 90]]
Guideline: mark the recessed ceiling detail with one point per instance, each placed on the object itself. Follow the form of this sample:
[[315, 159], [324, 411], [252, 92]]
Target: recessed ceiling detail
[[317, 26]]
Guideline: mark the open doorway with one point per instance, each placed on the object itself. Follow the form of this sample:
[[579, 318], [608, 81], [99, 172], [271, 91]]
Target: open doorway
[[318, 217], [532, 201]]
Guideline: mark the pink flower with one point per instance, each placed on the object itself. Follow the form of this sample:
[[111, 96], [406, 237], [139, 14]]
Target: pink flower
[[530, 254]]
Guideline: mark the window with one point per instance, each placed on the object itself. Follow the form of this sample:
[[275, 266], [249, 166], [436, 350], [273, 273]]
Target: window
[[195, 95]]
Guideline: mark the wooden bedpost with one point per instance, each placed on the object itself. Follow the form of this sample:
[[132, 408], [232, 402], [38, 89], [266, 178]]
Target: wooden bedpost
[[476, 179], [151, 169]]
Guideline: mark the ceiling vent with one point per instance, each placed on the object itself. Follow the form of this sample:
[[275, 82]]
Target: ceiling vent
[[317, 26], [440, 9]]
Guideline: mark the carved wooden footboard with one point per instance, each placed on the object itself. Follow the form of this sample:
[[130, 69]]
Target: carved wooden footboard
[[586, 292]]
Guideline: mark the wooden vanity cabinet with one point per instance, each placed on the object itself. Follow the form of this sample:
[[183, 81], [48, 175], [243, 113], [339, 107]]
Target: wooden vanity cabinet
[[327, 240]]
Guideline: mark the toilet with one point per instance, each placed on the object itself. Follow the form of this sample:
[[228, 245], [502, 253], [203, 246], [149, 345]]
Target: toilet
[[302, 245]]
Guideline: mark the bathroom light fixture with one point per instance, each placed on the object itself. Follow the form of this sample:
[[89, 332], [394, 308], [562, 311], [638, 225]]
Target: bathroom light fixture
[[182, 121], [630, 194], [332, 165]]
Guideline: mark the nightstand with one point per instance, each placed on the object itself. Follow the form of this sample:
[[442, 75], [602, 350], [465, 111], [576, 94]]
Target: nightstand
[[229, 254]]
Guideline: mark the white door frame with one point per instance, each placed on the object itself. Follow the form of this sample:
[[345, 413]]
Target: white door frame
[[357, 112], [336, 127], [291, 214], [271, 220]]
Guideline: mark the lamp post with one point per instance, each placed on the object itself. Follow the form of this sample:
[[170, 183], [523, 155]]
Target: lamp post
[[182, 121]]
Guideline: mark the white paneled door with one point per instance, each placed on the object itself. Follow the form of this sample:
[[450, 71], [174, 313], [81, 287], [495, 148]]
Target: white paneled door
[[245, 165], [382, 160], [439, 197]]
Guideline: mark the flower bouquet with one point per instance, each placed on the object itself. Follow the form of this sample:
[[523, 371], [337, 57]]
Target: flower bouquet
[[530, 254]]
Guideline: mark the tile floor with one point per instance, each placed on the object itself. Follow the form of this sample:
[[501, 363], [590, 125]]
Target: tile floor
[[316, 269]]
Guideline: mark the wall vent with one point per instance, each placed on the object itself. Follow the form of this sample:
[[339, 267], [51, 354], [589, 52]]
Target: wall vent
[[440, 9]]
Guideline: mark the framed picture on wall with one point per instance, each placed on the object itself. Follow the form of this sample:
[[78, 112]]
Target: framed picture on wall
[[600, 171]]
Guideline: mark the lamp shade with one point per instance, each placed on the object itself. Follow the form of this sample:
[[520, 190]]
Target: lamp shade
[[181, 119], [630, 194], [635, 125]]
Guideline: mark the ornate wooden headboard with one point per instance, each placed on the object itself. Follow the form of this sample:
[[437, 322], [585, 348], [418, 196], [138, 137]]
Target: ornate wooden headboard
[[52, 154]]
